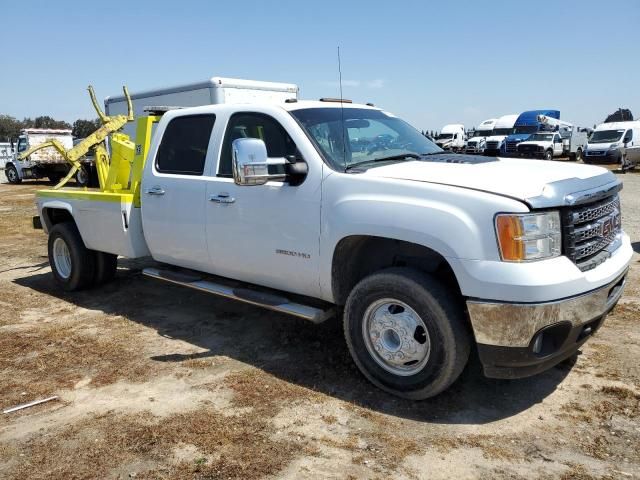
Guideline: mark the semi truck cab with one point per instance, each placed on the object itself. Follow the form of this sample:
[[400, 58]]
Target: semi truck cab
[[526, 124]]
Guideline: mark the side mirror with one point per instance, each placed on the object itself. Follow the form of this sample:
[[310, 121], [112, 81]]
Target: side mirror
[[250, 163]]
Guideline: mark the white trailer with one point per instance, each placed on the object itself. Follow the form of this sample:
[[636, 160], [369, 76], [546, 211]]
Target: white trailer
[[213, 91]]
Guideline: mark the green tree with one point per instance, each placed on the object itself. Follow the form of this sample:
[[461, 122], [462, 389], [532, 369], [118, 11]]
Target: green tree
[[46, 121], [9, 127], [83, 128]]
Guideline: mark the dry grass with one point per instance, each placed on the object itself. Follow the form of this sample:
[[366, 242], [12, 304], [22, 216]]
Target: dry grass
[[225, 447], [52, 357]]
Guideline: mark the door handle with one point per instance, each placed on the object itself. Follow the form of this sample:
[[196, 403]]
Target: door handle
[[157, 190], [222, 198]]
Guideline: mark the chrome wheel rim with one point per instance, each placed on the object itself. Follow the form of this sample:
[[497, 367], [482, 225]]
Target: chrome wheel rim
[[11, 174], [396, 337], [62, 258]]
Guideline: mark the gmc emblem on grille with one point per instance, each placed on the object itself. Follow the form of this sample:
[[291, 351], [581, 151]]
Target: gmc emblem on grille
[[609, 224]]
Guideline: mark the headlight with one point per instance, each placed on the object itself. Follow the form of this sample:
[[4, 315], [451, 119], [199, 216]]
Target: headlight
[[614, 146], [529, 236]]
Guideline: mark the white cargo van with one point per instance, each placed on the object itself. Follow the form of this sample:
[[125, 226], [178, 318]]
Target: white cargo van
[[615, 143], [502, 128], [451, 137], [477, 143], [213, 91]]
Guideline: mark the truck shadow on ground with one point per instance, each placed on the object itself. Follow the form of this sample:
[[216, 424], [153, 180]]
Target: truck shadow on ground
[[296, 351]]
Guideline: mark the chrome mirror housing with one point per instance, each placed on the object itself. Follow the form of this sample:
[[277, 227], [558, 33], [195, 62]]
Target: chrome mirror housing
[[249, 161]]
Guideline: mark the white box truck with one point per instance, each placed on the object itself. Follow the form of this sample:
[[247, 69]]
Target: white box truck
[[213, 91], [6, 153]]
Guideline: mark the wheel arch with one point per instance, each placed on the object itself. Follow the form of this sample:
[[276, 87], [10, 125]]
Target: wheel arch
[[56, 212], [357, 256]]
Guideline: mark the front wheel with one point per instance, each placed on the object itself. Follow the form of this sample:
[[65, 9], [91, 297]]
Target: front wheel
[[406, 333], [578, 155], [12, 174], [548, 155]]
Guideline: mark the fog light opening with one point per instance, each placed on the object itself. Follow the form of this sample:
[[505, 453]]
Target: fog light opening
[[537, 343]]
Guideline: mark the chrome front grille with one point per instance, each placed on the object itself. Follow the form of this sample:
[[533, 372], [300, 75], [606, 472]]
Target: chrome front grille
[[590, 231], [512, 146]]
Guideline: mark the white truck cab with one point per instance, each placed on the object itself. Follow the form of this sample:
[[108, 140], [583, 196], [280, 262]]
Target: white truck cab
[[477, 143], [316, 207], [566, 140], [451, 137], [503, 127], [616, 143], [46, 163]]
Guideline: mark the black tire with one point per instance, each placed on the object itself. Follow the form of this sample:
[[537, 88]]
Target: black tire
[[54, 178], [12, 175], [82, 260], [548, 155], [106, 267], [441, 313], [83, 177], [578, 155]]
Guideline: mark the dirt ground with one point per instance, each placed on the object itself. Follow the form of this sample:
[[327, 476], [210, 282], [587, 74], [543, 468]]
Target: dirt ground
[[157, 381]]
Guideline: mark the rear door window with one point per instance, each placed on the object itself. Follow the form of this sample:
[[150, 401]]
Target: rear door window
[[183, 149]]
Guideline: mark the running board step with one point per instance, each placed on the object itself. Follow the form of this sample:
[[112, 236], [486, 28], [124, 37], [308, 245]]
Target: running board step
[[260, 298]]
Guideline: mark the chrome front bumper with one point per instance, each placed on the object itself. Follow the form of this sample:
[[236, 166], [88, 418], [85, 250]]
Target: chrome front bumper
[[516, 324]]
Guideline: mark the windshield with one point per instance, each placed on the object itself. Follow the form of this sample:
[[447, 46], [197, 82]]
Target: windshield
[[370, 135], [606, 136], [541, 137], [483, 133], [444, 136], [526, 129], [503, 131]]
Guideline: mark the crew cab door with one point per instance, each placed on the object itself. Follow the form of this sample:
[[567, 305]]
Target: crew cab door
[[557, 145], [173, 192], [264, 234]]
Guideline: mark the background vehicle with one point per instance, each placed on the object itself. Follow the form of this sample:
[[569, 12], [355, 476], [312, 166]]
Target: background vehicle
[[6, 153], [527, 123], [616, 143], [46, 163], [213, 91], [451, 137], [494, 145], [566, 141], [268, 204], [477, 140]]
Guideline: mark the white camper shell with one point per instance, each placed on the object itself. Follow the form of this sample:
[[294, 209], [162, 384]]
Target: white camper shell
[[477, 143], [615, 143], [502, 128], [215, 90]]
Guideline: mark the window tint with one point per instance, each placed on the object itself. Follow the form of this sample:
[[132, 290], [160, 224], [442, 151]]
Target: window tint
[[183, 148], [256, 125]]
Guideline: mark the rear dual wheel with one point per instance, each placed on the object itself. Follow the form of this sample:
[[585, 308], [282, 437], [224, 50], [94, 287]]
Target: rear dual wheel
[[73, 265], [406, 333]]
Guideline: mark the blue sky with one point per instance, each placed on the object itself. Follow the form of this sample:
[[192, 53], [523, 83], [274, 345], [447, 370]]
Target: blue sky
[[429, 62]]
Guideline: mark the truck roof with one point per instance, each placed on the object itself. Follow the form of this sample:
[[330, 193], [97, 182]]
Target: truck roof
[[213, 82], [506, 121], [487, 124], [618, 125], [530, 117], [46, 131]]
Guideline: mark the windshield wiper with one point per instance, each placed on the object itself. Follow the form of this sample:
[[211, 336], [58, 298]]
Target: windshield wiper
[[404, 156]]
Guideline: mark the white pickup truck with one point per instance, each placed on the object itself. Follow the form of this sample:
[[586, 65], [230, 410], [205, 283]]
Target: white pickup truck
[[314, 208]]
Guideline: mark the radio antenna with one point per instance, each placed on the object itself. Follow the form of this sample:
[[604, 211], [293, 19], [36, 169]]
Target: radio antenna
[[343, 127]]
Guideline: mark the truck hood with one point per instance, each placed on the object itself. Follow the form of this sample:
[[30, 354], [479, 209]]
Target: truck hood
[[543, 143], [476, 139], [496, 138], [536, 182], [519, 137]]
